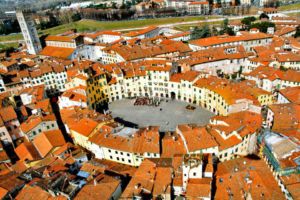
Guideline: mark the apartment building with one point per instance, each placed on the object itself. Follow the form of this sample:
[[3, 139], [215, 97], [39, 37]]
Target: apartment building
[[64, 41], [138, 50], [226, 137], [94, 85], [281, 153], [217, 95], [198, 8], [11, 122], [271, 79], [127, 146], [234, 179], [236, 134], [73, 97], [247, 39], [219, 60], [36, 124], [82, 130], [289, 95], [102, 37]]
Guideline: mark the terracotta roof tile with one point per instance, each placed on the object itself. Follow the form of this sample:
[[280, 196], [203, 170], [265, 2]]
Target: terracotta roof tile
[[8, 114], [27, 151], [58, 52], [84, 126], [236, 178], [199, 188], [104, 189], [47, 141], [292, 94], [217, 40]]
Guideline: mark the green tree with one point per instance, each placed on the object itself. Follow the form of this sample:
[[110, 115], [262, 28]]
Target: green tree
[[225, 29], [202, 32], [214, 31], [229, 31], [76, 17], [263, 16], [196, 32], [114, 5], [248, 20], [262, 26], [225, 23], [205, 31], [123, 6]]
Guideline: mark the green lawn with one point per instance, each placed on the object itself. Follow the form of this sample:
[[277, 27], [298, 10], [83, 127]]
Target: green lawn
[[6, 46], [188, 27], [92, 25], [11, 37], [294, 14], [290, 7]]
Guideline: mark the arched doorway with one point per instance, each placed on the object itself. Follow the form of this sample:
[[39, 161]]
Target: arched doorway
[[173, 95]]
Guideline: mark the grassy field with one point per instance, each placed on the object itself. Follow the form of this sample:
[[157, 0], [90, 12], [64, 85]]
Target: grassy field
[[17, 36], [294, 15], [290, 7], [92, 25], [188, 27], [6, 46]]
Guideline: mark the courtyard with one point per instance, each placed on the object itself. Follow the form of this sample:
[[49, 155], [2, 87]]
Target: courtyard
[[167, 115]]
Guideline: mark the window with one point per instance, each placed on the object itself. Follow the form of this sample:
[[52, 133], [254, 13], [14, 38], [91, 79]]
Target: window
[[194, 174], [129, 161], [110, 157]]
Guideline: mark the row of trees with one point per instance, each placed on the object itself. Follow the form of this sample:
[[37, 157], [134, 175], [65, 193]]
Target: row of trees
[[115, 14], [56, 19], [9, 26], [206, 31], [125, 5], [262, 26]]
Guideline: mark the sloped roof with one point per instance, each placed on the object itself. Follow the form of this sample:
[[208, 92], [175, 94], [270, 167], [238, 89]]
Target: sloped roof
[[58, 52]]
